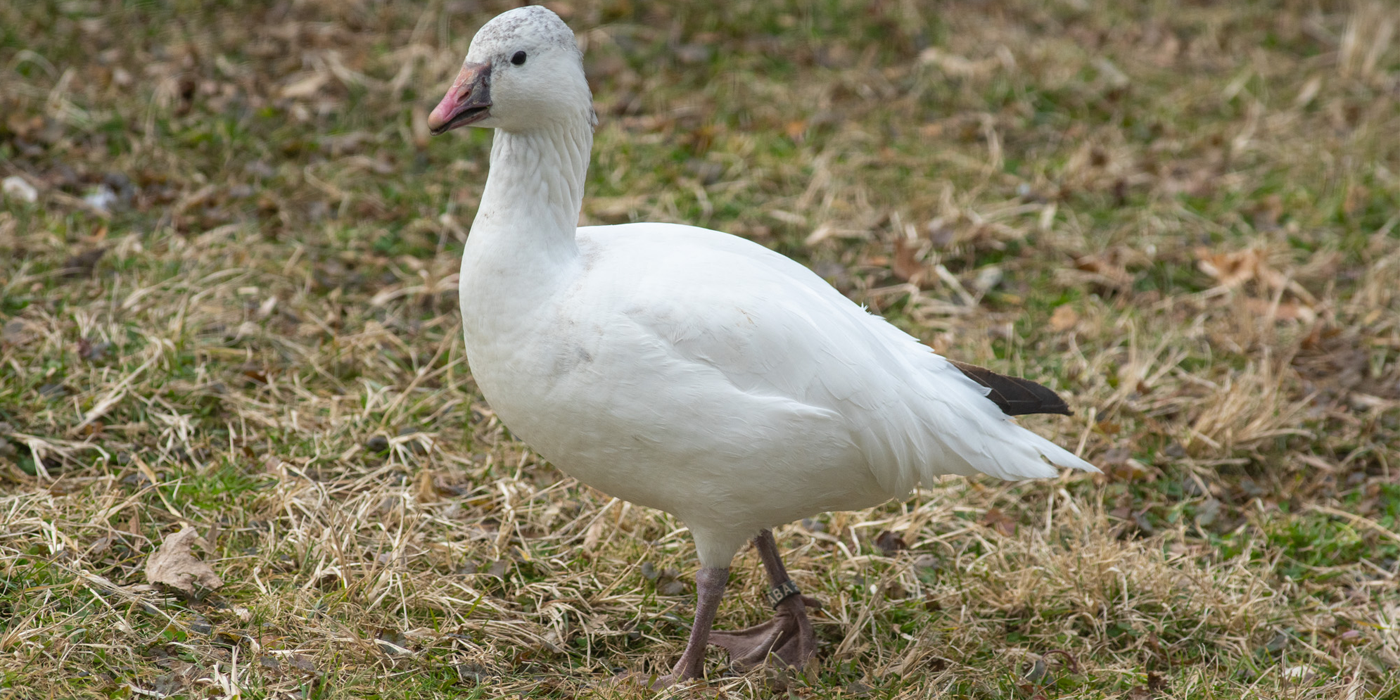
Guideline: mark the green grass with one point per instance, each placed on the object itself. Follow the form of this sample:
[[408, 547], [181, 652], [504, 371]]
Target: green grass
[[1189, 213]]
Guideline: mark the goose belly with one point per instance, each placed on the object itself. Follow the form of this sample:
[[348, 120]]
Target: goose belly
[[674, 437]]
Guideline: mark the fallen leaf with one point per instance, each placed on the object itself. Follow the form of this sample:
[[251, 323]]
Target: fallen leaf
[[1285, 311], [175, 565], [1029, 689], [1233, 269], [93, 352], [1132, 470], [999, 521], [1106, 269], [1156, 682], [82, 264], [1064, 318], [889, 543], [906, 265], [301, 663]]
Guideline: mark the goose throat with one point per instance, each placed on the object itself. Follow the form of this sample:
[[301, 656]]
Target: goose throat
[[536, 180]]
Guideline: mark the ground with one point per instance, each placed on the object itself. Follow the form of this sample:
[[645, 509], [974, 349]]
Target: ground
[[230, 306]]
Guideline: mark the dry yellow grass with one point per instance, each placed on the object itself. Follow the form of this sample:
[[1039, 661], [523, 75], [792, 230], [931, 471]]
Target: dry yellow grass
[[1183, 218]]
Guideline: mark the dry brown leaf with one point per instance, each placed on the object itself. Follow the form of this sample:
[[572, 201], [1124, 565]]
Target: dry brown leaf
[[175, 565], [931, 131], [1131, 470], [1000, 522], [906, 264], [796, 130], [1286, 311], [889, 543], [1064, 318], [1107, 269], [1235, 268], [82, 264], [1229, 269]]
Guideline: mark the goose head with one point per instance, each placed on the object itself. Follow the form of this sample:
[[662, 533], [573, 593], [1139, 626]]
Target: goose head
[[523, 72]]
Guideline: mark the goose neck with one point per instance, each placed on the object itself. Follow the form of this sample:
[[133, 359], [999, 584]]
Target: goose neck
[[534, 190]]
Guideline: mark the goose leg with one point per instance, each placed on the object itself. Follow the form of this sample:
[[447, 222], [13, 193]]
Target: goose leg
[[789, 635], [709, 588]]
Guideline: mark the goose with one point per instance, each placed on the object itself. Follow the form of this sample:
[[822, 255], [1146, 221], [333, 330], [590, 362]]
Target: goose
[[690, 370]]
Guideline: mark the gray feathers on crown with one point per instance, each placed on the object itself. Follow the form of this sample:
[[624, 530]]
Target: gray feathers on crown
[[533, 21]]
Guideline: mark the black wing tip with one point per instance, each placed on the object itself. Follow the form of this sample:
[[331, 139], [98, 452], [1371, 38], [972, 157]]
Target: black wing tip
[[1026, 408], [1013, 395]]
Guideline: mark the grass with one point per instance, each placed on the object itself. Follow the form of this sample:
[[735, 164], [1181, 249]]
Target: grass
[[232, 307]]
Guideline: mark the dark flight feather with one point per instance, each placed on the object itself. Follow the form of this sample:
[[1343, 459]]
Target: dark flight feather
[[1013, 395]]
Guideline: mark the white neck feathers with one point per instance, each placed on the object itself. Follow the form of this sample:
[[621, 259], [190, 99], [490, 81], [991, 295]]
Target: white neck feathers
[[521, 246], [534, 191]]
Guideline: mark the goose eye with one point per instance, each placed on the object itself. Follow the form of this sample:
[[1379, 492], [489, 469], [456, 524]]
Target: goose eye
[[518, 59]]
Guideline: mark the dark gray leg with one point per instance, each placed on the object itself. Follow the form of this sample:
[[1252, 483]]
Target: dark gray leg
[[709, 588]]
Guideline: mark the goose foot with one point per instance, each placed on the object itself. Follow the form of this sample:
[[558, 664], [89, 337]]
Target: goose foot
[[789, 635]]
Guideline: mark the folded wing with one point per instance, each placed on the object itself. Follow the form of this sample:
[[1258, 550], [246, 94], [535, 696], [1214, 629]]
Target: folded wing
[[772, 327]]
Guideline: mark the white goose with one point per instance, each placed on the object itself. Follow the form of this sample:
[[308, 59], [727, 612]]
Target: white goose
[[690, 370]]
